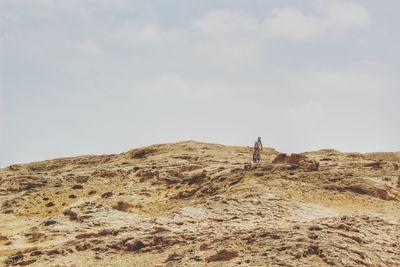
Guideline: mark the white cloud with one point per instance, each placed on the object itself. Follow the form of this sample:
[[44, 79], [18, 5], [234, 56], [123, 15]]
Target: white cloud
[[289, 23], [89, 48], [139, 35], [237, 71], [342, 15], [233, 39], [336, 16], [174, 85], [236, 23], [169, 83], [228, 39], [226, 53]]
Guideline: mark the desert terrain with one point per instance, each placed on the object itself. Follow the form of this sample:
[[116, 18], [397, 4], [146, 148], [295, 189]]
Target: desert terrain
[[199, 204]]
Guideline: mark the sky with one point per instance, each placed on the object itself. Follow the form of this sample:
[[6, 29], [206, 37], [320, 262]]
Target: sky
[[96, 76]]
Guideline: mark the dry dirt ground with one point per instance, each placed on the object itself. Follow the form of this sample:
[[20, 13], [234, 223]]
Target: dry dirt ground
[[197, 204]]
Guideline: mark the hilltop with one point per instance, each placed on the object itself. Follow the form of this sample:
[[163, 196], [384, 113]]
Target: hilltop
[[197, 204]]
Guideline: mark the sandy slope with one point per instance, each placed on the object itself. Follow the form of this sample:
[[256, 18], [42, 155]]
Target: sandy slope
[[197, 204]]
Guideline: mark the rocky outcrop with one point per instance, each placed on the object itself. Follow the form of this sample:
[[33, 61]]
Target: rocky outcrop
[[197, 204], [295, 161]]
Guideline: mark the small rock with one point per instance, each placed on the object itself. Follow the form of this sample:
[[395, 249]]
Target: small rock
[[37, 253], [313, 250], [197, 258], [134, 246], [27, 262], [82, 179], [54, 252], [107, 195], [106, 232], [197, 178], [234, 181], [357, 239], [14, 259], [86, 235], [50, 204], [77, 186], [203, 247], [73, 216], [169, 180], [314, 166], [123, 206], [174, 257], [247, 167], [71, 196], [47, 223], [292, 167], [274, 236], [312, 236], [315, 228], [82, 247], [223, 255]]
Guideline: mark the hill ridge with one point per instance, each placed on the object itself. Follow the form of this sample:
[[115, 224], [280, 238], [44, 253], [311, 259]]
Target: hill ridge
[[192, 203]]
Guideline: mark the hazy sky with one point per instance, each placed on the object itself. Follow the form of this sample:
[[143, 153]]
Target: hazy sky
[[96, 76]]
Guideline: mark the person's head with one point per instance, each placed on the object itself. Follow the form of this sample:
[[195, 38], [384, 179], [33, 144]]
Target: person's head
[[259, 139]]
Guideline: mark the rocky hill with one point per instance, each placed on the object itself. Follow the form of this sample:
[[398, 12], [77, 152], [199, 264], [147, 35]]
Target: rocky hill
[[197, 204]]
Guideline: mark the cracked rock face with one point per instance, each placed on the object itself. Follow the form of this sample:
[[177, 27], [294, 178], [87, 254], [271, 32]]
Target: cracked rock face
[[197, 204]]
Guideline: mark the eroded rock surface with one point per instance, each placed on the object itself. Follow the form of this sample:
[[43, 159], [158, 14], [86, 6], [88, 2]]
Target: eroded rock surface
[[197, 204]]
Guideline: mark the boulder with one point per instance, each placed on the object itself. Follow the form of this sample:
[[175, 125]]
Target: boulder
[[134, 245]]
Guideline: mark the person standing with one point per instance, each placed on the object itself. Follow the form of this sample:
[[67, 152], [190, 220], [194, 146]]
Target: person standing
[[257, 149]]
